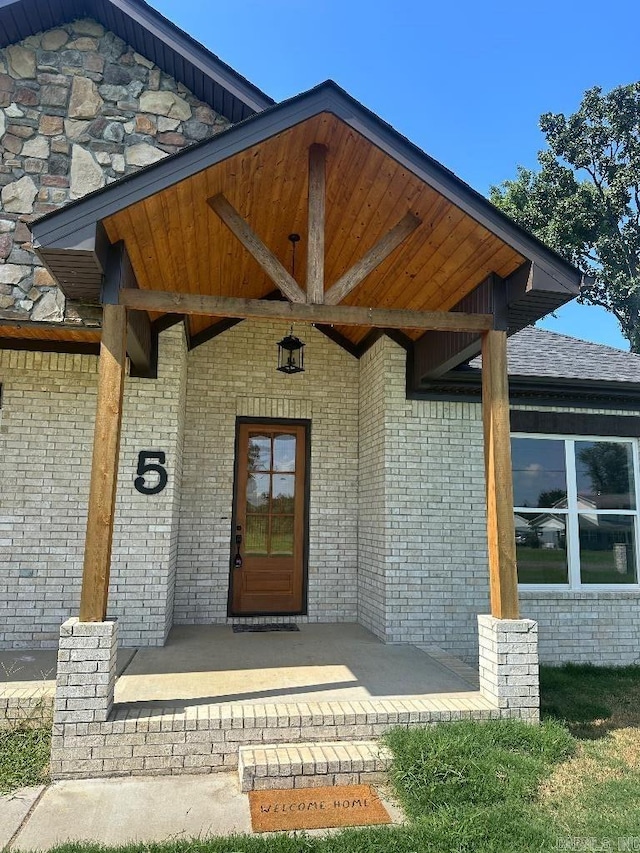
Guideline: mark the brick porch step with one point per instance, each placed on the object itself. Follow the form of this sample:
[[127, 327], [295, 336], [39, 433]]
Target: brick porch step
[[311, 765]]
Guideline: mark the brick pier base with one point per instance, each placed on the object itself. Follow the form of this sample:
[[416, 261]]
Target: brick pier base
[[84, 687], [508, 665]]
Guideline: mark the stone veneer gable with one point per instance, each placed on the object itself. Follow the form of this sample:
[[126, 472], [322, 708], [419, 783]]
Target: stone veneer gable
[[78, 109]]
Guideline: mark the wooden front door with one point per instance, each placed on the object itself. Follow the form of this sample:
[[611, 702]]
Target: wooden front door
[[267, 575]]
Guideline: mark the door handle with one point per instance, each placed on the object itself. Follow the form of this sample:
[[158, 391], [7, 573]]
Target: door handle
[[237, 560]]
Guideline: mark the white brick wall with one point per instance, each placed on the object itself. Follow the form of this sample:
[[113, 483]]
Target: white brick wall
[[373, 515], [397, 526], [234, 375], [586, 626], [422, 571], [46, 438]]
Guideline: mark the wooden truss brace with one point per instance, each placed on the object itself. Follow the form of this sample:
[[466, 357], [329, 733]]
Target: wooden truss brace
[[254, 245], [316, 293], [372, 259]]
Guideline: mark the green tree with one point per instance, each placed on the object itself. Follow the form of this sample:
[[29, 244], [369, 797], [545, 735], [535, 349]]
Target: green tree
[[585, 199], [606, 466]]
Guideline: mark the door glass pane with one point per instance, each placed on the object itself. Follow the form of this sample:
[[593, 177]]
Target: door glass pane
[[257, 535], [282, 535], [283, 491], [284, 453], [258, 493], [539, 475], [541, 547], [259, 453], [607, 548], [605, 475]]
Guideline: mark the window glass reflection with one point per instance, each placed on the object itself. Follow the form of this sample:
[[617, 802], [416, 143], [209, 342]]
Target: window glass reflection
[[607, 548], [282, 535], [258, 493], [257, 535], [284, 453], [541, 547], [283, 493], [604, 472], [539, 473], [259, 453]]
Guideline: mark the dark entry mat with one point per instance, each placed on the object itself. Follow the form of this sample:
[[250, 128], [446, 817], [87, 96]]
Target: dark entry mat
[[262, 629]]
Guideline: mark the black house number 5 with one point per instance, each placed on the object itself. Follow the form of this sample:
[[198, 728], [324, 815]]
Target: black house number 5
[[151, 462]]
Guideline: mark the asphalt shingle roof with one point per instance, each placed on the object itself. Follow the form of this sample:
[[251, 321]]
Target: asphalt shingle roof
[[537, 352]]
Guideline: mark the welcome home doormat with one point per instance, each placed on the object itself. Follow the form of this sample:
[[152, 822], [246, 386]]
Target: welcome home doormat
[[263, 629], [316, 808]]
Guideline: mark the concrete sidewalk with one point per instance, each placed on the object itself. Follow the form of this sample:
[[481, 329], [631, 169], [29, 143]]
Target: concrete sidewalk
[[117, 811], [141, 809]]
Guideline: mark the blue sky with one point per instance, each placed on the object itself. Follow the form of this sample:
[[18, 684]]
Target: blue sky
[[465, 81]]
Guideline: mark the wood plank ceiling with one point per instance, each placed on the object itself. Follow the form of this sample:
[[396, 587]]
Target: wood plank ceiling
[[176, 242]]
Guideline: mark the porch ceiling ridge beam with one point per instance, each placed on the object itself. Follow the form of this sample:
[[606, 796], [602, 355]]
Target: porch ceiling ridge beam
[[254, 245], [372, 259], [316, 220], [342, 315]]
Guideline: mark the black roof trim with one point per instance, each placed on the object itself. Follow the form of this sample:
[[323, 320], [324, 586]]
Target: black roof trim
[[465, 385], [57, 229], [150, 34]]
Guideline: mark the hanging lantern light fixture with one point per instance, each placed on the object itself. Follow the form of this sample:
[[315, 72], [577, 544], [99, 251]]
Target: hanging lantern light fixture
[[291, 348], [291, 354]]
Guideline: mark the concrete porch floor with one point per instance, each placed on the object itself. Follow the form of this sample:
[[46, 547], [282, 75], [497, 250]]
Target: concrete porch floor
[[320, 663], [210, 664]]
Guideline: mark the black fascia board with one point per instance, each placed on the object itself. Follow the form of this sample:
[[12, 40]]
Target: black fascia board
[[465, 385], [58, 229], [140, 25]]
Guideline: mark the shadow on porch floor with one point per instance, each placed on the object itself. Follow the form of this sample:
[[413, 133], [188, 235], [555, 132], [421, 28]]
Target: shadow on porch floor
[[322, 662]]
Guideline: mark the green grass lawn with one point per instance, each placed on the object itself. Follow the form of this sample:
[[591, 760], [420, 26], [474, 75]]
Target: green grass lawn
[[549, 565], [499, 787], [24, 757]]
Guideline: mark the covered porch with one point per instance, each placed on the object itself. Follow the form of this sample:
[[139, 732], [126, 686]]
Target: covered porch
[[392, 246]]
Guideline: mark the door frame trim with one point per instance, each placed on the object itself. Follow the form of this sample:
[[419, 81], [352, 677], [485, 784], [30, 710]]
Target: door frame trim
[[303, 422]]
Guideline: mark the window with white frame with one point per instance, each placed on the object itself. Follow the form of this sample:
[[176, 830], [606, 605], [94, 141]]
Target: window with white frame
[[576, 510]]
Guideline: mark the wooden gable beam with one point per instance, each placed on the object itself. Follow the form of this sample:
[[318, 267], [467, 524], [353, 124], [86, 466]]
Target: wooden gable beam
[[256, 248], [316, 226], [339, 315], [372, 259]]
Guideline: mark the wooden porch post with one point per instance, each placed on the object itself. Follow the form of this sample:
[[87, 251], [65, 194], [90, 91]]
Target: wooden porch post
[[503, 578], [104, 466]]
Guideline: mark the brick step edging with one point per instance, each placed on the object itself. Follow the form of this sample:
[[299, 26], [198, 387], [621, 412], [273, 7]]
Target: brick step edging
[[311, 765]]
